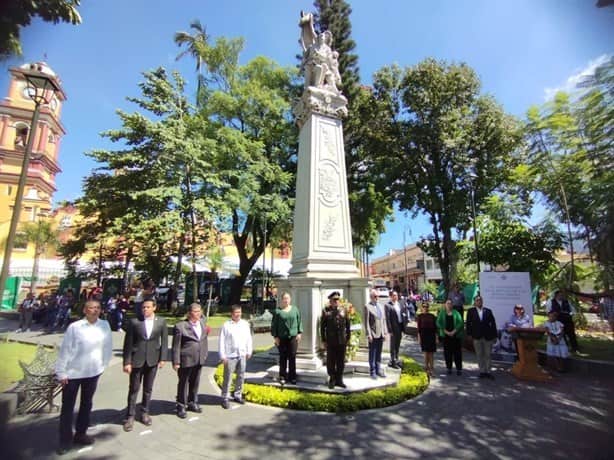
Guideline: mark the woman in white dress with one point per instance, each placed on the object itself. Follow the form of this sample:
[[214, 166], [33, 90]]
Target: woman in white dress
[[556, 348]]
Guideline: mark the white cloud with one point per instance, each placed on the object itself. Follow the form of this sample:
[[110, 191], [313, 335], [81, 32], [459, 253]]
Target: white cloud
[[571, 82]]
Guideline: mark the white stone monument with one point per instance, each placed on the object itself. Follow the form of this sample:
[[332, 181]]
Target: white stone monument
[[322, 256]]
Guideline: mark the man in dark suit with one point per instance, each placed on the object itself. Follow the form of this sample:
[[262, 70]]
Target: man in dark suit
[[397, 316], [482, 328], [189, 355], [335, 334], [145, 349]]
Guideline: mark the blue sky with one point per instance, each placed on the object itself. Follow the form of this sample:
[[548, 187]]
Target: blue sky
[[522, 50]]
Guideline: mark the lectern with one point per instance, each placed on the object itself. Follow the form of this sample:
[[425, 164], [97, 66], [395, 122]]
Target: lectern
[[526, 368]]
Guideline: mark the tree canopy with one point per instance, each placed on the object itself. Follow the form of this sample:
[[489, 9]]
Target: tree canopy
[[15, 14], [441, 140]]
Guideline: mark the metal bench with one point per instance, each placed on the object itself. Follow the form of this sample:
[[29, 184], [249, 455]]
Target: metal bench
[[261, 323], [39, 384]]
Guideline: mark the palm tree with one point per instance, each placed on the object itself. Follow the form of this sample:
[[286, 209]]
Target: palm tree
[[44, 236], [197, 45]]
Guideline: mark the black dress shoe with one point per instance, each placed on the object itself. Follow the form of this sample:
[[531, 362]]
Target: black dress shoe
[[195, 408], [62, 450], [181, 413], [239, 400], [341, 384], [83, 440], [292, 381], [129, 424], [331, 383], [146, 420]]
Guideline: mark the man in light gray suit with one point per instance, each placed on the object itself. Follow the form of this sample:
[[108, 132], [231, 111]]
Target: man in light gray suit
[[377, 330], [189, 355]]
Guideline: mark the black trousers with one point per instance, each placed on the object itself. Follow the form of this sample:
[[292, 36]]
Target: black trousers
[[335, 361], [452, 351], [69, 398], [187, 387], [147, 375], [396, 334], [287, 357], [569, 330]]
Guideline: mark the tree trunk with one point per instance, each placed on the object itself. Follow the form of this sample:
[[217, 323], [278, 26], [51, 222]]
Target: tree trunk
[[34, 280], [126, 268], [177, 275], [99, 275]]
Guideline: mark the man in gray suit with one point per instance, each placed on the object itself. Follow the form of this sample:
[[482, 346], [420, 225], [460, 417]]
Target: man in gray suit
[[377, 330], [189, 355]]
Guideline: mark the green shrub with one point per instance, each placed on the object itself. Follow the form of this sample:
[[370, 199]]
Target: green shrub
[[413, 381]]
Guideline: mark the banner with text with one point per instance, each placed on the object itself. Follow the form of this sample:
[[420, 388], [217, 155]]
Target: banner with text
[[501, 291]]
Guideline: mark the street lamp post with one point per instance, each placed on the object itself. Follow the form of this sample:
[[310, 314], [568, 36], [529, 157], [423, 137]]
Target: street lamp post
[[41, 88], [472, 179], [405, 230]]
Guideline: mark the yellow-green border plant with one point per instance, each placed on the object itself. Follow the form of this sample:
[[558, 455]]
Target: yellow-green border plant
[[413, 381]]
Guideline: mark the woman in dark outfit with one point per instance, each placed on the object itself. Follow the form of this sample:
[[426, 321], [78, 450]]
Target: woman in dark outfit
[[451, 328], [286, 328], [427, 336]]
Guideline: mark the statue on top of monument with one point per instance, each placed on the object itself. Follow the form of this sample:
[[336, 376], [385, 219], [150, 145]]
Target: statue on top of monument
[[320, 63]]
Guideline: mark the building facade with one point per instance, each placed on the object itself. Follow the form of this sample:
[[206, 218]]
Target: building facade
[[406, 269]]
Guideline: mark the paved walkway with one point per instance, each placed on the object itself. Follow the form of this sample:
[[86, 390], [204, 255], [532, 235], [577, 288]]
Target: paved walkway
[[457, 417]]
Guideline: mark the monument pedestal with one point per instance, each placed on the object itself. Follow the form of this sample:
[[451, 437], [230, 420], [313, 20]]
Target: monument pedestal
[[526, 368]]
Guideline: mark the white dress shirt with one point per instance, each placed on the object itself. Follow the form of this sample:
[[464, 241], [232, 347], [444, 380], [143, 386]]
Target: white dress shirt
[[198, 330], [397, 308], [85, 351], [235, 339], [149, 324]]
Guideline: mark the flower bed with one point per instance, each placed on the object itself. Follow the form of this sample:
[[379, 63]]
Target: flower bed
[[413, 381]]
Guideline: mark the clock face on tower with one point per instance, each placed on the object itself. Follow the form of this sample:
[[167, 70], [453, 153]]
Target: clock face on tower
[[54, 103]]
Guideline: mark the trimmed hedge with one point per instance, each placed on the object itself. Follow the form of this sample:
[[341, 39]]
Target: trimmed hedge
[[413, 381]]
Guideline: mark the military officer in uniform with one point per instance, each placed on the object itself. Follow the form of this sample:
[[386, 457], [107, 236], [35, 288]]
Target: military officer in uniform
[[335, 334]]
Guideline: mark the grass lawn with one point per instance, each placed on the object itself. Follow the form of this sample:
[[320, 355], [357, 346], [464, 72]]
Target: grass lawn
[[215, 321], [10, 354], [599, 348]]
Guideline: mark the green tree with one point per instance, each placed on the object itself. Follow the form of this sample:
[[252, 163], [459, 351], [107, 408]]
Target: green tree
[[248, 107], [571, 163], [370, 206], [196, 46], [161, 185], [15, 14], [508, 243], [440, 140], [44, 236]]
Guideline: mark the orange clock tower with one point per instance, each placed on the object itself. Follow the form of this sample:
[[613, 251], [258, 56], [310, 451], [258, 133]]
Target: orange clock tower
[[16, 111]]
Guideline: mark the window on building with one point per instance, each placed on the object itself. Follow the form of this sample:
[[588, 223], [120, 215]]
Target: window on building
[[65, 222], [21, 241], [21, 135], [429, 264]]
